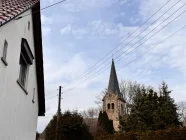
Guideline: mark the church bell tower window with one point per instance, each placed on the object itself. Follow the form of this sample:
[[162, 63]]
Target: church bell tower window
[[112, 105], [108, 106]]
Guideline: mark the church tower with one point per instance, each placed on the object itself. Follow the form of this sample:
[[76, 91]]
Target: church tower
[[113, 101]]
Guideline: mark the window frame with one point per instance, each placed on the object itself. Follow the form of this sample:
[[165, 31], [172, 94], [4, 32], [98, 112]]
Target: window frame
[[25, 60], [28, 25], [23, 70], [33, 98], [4, 55]]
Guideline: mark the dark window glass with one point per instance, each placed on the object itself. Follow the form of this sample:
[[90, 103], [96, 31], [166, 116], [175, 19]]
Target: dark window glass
[[5, 49], [112, 105], [108, 106], [23, 70]]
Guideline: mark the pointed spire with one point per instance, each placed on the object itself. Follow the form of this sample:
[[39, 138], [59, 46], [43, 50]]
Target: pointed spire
[[113, 82]]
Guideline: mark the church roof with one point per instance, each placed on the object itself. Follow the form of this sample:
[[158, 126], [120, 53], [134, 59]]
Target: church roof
[[113, 82]]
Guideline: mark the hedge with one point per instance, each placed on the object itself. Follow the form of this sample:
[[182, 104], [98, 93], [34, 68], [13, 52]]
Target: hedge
[[168, 134]]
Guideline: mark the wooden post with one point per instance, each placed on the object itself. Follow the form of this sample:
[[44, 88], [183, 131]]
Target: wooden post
[[58, 113]]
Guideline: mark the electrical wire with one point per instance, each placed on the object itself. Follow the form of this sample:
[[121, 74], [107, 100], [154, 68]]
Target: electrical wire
[[132, 50], [119, 71], [42, 9], [139, 45], [50, 97], [48, 93], [134, 32], [145, 52], [142, 38], [135, 37], [119, 43]]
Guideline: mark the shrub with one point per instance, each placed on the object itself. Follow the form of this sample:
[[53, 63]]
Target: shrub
[[167, 134], [70, 127]]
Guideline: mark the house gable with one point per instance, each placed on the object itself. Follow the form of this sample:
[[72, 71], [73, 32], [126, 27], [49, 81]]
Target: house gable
[[14, 10]]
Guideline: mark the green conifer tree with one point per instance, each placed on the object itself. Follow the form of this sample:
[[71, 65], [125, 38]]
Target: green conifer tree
[[150, 112], [50, 131], [104, 125], [167, 108]]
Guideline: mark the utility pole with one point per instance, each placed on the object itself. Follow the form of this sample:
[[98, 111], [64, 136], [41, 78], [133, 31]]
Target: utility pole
[[58, 113]]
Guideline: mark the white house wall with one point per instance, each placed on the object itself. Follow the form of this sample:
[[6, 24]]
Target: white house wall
[[18, 115]]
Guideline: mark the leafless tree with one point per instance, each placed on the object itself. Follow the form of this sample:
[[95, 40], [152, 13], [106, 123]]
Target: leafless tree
[[182, 110], [91, 113], [90, 118], [99, 98], [129, 89]]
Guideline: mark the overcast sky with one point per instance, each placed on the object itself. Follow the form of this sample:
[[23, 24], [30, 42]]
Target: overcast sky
[[78, 33]]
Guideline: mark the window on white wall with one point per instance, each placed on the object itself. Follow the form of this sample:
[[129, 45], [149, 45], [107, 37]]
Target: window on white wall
[[28, 25], [33, 99], [26, 59], [23, 70], [5, 47]]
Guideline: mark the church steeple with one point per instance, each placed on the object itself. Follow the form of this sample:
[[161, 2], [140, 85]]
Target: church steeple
[[113, 101], [113, 82]]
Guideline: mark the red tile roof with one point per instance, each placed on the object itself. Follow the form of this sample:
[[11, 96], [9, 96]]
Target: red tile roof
[[11, 8]]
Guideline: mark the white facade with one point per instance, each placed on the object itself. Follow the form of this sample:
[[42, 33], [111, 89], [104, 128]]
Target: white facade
[[18, 114]]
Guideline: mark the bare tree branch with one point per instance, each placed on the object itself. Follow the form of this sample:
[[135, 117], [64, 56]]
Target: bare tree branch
[[99, 98], [182, 110], [90, 118]]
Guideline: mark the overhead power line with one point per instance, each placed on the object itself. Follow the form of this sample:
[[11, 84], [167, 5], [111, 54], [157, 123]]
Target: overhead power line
[[120, 43], [124, 67], [51, 97], [104, 77], [142, 38], [146, 51], [134, 44], [133, 49], [90, 70], [42, 9], [48, 93], [157, 31]]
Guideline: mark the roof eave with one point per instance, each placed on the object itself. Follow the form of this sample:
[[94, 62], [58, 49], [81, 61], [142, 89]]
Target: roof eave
[[36, 16], [18, 15]]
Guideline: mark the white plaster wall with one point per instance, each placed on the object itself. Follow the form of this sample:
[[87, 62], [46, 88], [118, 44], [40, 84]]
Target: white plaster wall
[[18, 115]]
